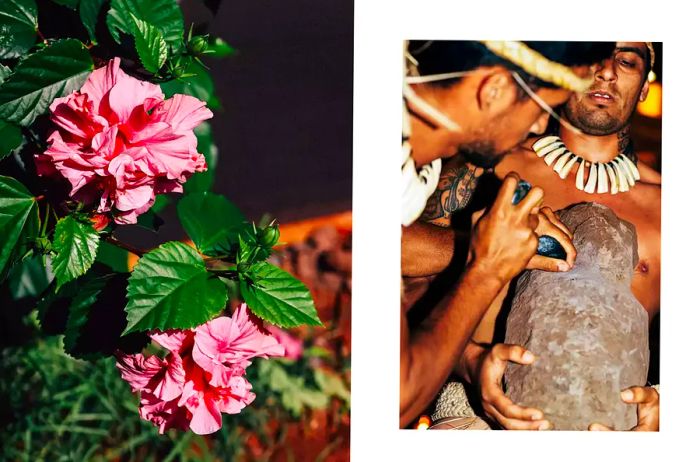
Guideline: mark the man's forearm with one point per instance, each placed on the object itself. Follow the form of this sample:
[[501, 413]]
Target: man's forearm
[[433, 349], [426, 250]]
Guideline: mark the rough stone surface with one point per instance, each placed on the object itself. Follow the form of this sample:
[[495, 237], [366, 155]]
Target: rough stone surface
[[589, 333]]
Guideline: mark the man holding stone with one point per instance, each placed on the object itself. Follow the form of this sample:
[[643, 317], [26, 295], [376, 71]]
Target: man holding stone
[[583, 163]]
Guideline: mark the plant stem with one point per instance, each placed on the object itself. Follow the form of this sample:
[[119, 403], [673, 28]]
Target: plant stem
[[125, 246], [41, 36], [223, 272], [46, 219]]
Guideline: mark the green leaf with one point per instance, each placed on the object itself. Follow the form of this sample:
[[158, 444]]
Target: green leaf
[[332, 385], [53, 72], [18, 25], [149, 220], [30, 278], [278, 297], [162, 201], [316, 351], [203, 181], [200, 85], [211, 221], [114, 257], [4, 73], [90, 312], [171, 288], [80, 306], [75, 244], [218, 48], [89, 13], [72, 4], [295, 395], [19, 218], [150, 45], [165, 15], [10, 138]]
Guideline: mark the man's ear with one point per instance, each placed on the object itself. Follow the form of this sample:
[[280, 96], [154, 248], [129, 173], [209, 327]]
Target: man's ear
[[497, 91], [645, 91]]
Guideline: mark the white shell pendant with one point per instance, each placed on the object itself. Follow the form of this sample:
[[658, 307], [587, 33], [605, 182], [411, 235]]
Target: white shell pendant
[[567, 168], [561, 162], [630, 164], [542, 142], [552, 156], [621, 178], [602, 179], [549, 148], [592, 178], [625, 169], [579, 175], [613, 179]]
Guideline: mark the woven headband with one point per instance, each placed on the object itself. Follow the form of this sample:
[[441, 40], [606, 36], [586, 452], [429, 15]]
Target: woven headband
[[537, 65]]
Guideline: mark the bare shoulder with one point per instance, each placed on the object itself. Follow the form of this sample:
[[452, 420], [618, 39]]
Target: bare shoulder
[[648, 195], [648, 174]]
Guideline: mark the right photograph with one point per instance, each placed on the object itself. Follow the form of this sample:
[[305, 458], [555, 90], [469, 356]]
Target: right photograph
[[531, 235]]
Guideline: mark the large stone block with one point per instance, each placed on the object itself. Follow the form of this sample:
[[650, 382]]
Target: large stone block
[[589, 333]]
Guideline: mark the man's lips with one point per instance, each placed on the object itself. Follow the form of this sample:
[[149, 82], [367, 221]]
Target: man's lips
[[600, 96]]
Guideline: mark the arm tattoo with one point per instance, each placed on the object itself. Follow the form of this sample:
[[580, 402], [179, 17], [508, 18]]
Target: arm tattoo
[[624, 144], [453, 192]]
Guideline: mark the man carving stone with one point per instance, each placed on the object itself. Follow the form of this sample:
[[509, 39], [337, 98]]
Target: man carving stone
[[589, 168]]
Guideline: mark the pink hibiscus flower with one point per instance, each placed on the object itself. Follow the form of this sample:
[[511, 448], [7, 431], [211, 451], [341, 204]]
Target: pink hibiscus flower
[[224, 344], [203, 374], [119, 142], [293, 347]]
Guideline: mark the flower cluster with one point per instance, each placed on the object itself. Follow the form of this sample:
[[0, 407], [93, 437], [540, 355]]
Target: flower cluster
[[119, 142], [203, 374]]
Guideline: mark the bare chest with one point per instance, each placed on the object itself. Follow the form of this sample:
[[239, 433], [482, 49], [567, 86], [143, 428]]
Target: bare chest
[[634, 206]]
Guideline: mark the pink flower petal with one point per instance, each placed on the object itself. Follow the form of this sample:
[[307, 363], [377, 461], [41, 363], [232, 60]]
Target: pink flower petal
[[206, 417], [75, 114], [182, 112], [128, 93], [174, 340], [172, 379], [164, 379], [293, 347], [164, 414], [102, 80], [138, 370]]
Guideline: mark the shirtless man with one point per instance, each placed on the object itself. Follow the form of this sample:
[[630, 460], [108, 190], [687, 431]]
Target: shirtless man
[[484, 111], [603, 113]]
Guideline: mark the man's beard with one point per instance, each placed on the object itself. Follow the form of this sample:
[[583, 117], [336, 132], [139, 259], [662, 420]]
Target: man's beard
[[480, 154], [593, 122], [589, 122]]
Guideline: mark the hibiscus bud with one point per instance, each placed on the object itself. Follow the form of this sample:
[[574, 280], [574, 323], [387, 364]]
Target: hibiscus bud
[[199, 44], [42, 245], [269, 236], [99, 221], [179, 64]]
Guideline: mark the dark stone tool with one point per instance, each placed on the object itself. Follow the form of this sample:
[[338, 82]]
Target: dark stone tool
[[547, 245]]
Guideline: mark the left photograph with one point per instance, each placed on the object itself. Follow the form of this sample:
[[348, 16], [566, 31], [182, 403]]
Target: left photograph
[[175, 230]]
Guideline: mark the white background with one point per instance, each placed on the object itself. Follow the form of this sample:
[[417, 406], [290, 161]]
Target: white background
[[380, 27]]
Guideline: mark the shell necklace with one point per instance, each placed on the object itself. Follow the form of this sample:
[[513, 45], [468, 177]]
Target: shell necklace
[[619, 174]]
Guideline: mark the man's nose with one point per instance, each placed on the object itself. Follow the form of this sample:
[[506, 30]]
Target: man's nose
[[606, 71]]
